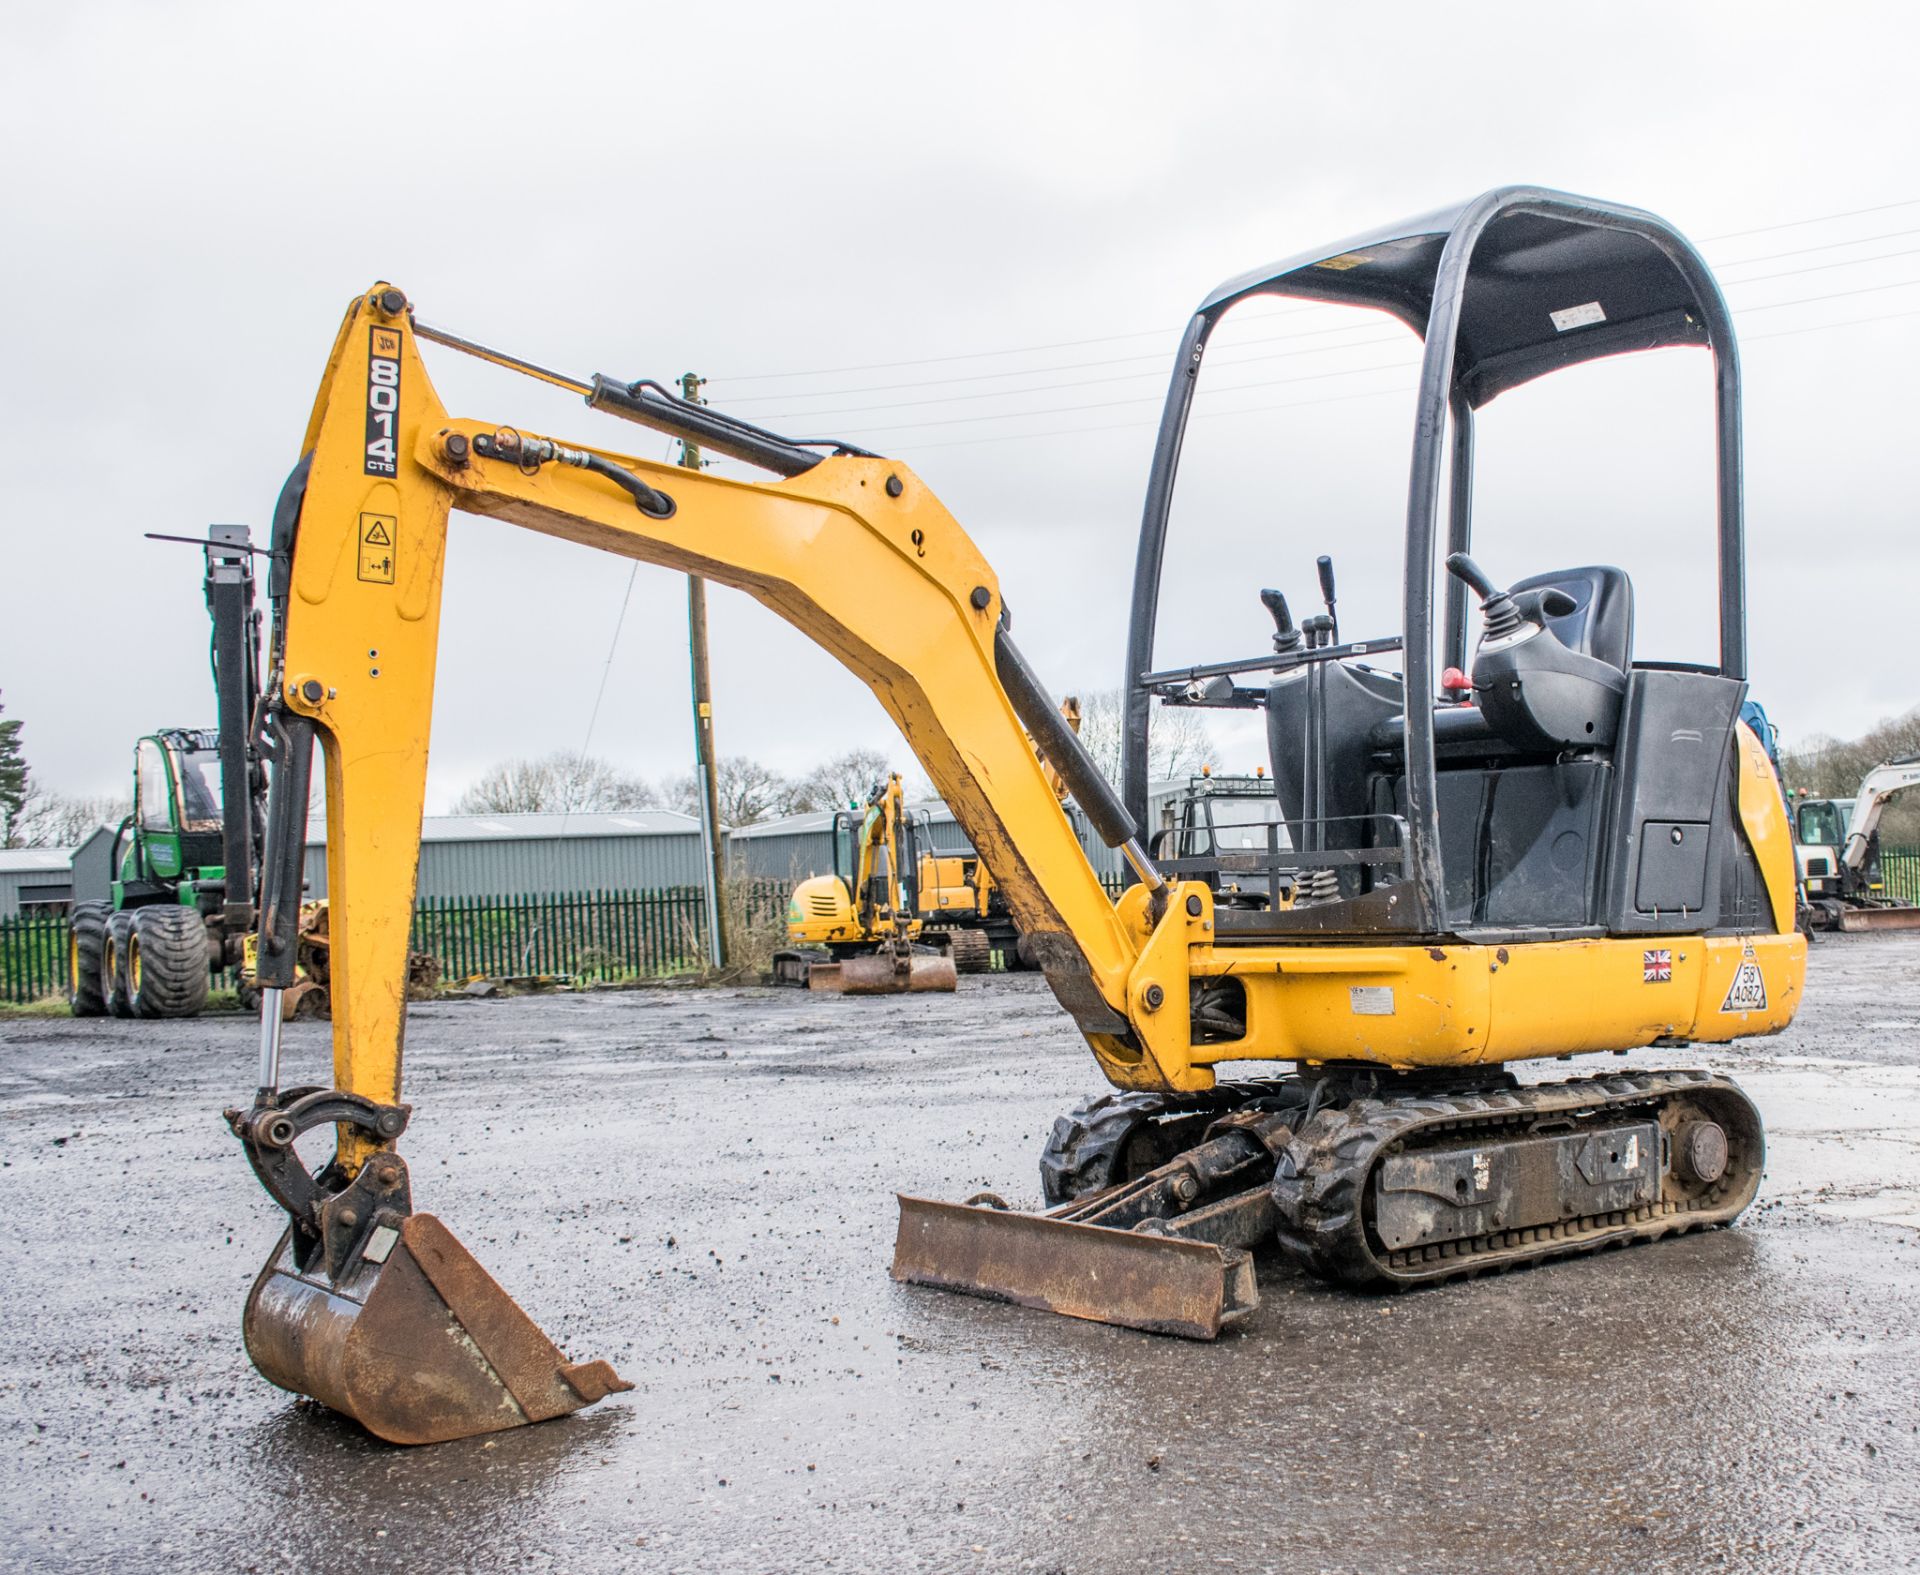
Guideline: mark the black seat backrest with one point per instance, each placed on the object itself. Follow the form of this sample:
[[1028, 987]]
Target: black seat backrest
[[1601, 623]]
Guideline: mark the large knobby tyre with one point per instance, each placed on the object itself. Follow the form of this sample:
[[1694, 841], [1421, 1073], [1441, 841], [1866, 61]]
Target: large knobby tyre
[[113, 963], [167, 962], [86, 944]]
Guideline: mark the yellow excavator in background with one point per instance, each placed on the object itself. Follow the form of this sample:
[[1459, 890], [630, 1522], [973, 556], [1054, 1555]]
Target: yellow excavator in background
[[1556, 848], [958, 898], [860, 926], [942, 916]]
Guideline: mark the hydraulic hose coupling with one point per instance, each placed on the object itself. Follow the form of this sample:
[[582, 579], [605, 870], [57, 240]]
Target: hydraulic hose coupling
[[530, 453]]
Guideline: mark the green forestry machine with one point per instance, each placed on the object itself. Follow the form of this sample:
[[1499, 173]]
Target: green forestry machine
[[184, 861]]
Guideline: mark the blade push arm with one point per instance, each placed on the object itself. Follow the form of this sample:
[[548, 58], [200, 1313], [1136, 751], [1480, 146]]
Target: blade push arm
[[855, 552]]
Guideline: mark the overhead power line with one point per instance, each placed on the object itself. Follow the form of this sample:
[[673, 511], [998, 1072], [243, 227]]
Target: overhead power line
[[1011, 415], [1156, 362], [1111, 404], [1157, 357], [1817, 328], [1824, 246], [1336, 399], [1824, 218], [1148, 333]]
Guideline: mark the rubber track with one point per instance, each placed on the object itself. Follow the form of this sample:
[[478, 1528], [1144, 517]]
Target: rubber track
[[1081, 1150], [972, 952], [1322, 1204]]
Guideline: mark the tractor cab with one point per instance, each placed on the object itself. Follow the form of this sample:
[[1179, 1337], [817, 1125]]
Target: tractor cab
[[1503, 765], [174, 834]]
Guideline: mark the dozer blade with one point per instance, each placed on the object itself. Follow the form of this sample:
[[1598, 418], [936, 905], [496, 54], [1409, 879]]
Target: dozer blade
[[1855, 920], [1136, 1279], [415, 1341], [882, 974]]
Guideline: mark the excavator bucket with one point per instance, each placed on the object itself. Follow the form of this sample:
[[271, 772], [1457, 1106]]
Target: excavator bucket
[[414, 1341], [883, 973], [1137, 1279]]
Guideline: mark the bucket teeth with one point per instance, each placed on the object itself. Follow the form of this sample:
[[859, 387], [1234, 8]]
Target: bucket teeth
[[415, 1341]]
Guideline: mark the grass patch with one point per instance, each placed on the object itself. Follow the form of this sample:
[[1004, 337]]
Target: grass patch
[[46, 1006]]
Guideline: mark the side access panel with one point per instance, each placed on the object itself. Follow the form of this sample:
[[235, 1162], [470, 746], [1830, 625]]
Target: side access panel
[[1671, 814]]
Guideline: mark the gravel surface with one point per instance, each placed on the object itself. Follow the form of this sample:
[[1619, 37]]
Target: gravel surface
[[699, 1186]]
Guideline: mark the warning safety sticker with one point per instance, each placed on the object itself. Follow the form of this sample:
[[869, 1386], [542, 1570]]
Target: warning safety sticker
[[376, 547]]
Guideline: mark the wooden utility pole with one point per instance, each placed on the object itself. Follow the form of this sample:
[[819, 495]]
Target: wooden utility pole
[[706, 766]]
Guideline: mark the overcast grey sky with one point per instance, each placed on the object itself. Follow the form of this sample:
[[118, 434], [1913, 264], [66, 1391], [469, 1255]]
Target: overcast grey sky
[[750, 191]]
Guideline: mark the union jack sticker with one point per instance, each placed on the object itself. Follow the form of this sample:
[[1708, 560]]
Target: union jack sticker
[[1656, 966]]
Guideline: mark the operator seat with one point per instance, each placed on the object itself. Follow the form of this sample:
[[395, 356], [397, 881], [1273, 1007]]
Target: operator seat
[[1599, 626], [1601, 623]]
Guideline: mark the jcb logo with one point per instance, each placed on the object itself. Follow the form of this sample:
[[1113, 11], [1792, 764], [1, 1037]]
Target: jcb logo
[[383, 402]]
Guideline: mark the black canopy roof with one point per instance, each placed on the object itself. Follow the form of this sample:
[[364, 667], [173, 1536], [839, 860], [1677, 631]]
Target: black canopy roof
[[1551, 280]]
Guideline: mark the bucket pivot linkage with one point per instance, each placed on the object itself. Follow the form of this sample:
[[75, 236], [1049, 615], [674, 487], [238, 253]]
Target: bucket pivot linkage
[[379, 1312]]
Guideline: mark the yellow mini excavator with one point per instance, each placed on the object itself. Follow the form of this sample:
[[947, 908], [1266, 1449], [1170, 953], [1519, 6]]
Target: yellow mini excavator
[[866, 930], [858, 930], [1560, 848]]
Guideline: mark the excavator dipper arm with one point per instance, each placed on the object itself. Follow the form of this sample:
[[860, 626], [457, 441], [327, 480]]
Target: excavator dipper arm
[[855, 552], [366, 1305]]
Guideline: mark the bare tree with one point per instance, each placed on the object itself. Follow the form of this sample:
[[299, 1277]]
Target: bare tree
[[560, 783], [56, 820], [1825, 767], [748, 791], [842, 781], [1178, 741]]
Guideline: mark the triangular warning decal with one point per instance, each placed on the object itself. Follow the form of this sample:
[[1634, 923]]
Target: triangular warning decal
[[377, 535], [1748, 992]]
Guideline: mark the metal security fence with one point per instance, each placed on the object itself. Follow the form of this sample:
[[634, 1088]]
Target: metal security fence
[[594, 935], [584, 935], [1900, 869], [33, 957]]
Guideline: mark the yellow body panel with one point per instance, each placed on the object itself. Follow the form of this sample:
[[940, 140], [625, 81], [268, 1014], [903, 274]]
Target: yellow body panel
[[944, 887], [1763, 816], [821, 913], [1449, 1005], [859, 555]]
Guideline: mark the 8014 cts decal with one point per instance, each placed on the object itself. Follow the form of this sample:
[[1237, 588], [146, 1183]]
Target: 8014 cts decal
[[383, 401]]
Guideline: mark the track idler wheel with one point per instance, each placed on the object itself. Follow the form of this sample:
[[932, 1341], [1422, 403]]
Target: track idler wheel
[[380, 1313]]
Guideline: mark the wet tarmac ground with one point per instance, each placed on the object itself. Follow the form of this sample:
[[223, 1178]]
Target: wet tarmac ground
[[699, 1186]]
